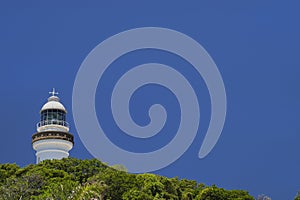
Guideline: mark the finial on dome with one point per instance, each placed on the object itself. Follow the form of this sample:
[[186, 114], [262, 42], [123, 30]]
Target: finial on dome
[[53, 96], [53, 92]]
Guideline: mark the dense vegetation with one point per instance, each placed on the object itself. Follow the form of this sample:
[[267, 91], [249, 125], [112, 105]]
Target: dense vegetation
[[91, 179]]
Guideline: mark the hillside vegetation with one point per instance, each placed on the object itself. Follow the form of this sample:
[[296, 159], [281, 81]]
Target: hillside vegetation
[[91, 179]]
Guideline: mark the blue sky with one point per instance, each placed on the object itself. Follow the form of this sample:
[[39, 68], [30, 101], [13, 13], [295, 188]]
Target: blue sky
[[255, 45]]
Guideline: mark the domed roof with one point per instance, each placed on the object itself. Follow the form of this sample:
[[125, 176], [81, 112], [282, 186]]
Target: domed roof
[[53, 103]]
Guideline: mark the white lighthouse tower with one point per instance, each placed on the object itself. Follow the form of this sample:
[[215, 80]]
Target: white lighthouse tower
[[52, 139]]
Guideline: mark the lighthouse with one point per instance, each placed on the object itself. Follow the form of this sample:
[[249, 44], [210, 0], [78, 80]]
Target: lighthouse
[[52, 139]]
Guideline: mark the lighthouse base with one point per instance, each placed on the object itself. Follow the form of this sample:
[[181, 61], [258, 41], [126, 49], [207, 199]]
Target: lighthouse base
[[49, 149]]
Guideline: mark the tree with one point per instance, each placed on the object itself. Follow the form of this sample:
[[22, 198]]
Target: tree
[[120, 168], [6, 171], [89, 191], [60, 190], [214, 193], [135, 194], [71, 179], [297, 196], [23, 187], [118, 182]]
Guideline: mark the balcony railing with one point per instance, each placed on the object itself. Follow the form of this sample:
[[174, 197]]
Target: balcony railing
[[52, 122]]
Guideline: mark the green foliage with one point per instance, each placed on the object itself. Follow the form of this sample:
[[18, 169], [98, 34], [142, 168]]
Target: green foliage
[[88, 191], [118, 182], [214, 193], [58, 190], [22, 187], [6, 171], [135, 194], [80, 170], [73, 179], [297, 196], [120, 168]]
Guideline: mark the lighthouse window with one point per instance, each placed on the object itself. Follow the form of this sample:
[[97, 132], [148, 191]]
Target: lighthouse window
[[53, 115], [60, 116]]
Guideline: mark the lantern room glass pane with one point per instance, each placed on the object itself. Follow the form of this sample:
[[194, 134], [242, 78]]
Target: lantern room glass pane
[[53, 115]]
